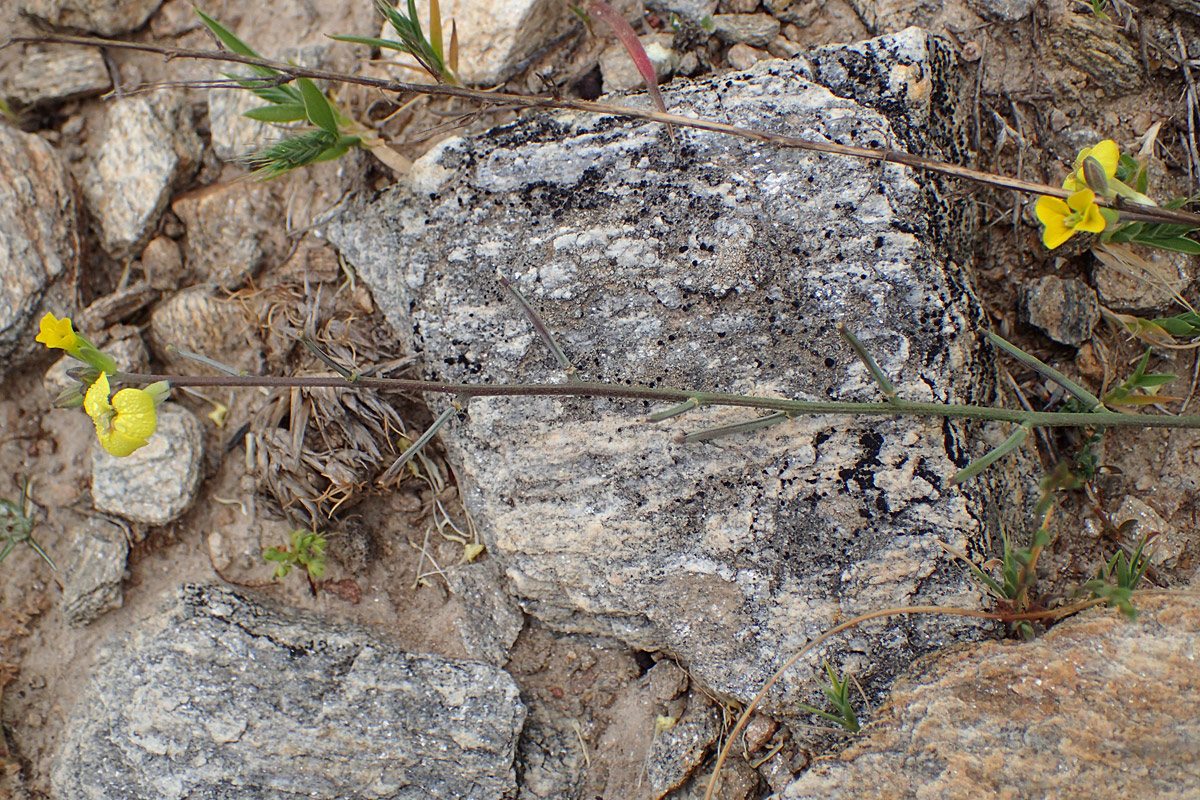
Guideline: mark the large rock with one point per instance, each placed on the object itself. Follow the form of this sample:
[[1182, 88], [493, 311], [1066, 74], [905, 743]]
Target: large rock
[[1098, 702], [39, 240], [104, 17], [147, 148], [56, 73], [220, 697], [713, 263]]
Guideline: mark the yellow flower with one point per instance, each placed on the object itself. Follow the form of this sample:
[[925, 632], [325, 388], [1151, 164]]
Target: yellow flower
[[58, 333], [124, 424], [1107, 153], [1062, 220]]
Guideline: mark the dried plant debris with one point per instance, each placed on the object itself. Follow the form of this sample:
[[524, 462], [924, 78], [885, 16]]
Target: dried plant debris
[[317, 452]]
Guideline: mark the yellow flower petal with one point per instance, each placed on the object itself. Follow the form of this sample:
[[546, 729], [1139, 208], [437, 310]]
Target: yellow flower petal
[[1050, 209], [135, 413], [1056, 233], [1093, 221], [95, 402], [124, 424], [1107, 153], [57, 333], [1079, 201]]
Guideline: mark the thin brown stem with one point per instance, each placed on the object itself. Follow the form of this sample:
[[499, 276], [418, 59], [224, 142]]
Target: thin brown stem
[[1132, 211]]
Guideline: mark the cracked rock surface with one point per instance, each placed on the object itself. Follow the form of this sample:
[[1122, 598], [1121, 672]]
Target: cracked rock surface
[[721, 264]]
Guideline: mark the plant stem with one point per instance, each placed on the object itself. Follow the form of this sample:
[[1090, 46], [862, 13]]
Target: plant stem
[[1032, 419], [1129, 210]]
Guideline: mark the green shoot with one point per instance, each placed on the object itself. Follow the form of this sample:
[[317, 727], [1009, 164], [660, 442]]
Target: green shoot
[[838, 692], [1141, 387], [302, 102], [429, 52], [16, 524], [1116, 580], [306, 551]]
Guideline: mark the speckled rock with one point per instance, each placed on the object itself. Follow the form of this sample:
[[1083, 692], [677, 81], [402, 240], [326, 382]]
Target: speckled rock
[[55, 73], [196, 320], [1098, 702], [39, 241], [104, 17], [1066, 310], [159, 481], [716, 263], [620, 73], [218, 696], [233, 134], [495, 37], [756, 30], [1002, 10], [693, 11], [1100, 49], [1145, 285], [680, 747], [146, 148], [92, 578], [796, 12], [231, 228]]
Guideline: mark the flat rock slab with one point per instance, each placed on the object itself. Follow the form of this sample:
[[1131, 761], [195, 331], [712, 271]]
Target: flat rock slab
[[221, 697], [1099, 706], [713, 263]]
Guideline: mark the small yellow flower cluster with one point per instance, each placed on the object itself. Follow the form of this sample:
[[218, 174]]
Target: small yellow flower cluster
[[127, 420], [1079, 212]]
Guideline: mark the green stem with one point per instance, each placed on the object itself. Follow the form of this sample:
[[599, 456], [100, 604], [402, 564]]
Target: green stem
[[1032, 419]]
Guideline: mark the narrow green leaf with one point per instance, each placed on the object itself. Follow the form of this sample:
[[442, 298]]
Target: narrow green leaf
[[1089, 400], [317, 107], [1178, 244], [435, 29], [370, 41], [332, 154], [231, 41], [277, 114], [980, 464]]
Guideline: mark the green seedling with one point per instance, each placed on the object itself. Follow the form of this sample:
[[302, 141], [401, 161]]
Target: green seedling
[[1140, 388], [1117, 580], [838, 692], [16, 524], [305, 550]]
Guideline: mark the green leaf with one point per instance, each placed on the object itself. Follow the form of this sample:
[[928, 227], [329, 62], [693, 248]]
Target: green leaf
[[371, 41], [278, 113], [317, 107], [1178, 244], [233, 42]]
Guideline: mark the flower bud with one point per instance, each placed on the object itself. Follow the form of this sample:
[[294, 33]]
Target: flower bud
[[1093, 174]]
